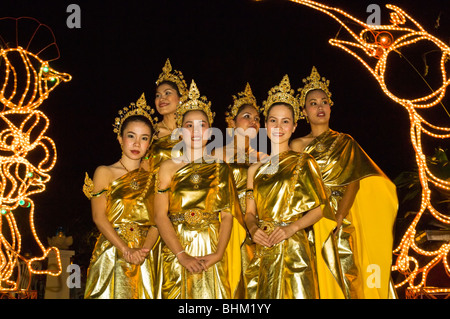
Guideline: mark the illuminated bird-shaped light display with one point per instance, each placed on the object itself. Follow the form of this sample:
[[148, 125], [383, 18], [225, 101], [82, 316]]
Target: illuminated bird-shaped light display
[[372, 46], [26, 153]]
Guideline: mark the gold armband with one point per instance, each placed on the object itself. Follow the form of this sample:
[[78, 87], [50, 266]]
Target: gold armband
[[88, 188], [162, 191]]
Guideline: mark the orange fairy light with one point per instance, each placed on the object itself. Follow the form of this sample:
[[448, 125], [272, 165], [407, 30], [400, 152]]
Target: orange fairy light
[[371, 46], [26, 80]]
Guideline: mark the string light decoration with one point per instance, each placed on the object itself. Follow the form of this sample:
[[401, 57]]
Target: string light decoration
[[26, 154], [375, 43]]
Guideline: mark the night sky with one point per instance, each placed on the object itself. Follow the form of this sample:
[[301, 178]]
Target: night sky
[[120, 49]]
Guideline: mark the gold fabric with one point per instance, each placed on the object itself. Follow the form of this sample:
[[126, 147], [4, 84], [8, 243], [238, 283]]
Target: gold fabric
[[239, 162], [239, 171], [366, 237], [297, 267], [198, 193], [161, 150], [239, 167], [129, 211]]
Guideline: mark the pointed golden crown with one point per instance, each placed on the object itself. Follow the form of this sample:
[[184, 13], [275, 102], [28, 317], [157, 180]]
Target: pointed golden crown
[[138, 108], [193, 102], [173, 76], [283, 93], [314, 82], [243, 98]]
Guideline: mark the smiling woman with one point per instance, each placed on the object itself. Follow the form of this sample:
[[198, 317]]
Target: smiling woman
[[170, 88], [197, 214], [122, 263], [285, 198], [195, 137]]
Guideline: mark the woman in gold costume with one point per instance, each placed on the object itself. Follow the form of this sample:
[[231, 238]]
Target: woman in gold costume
[[170, 87], [121, 266], [243, 121], [285, 197], [195, 209], [363, 199]]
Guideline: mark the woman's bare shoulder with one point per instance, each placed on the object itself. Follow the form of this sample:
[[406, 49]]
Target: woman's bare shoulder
[[300, 143]]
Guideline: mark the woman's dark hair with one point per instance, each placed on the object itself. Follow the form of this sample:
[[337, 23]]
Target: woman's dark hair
[[136, 118], [310, 91], [282, 103], [207, 119], [241, 108], [171, 84]]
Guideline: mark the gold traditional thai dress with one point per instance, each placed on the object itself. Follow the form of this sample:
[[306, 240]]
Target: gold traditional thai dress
[[161, 150], [197, 195], [128, 209], [297, 267], [239, 166], [366, 238]]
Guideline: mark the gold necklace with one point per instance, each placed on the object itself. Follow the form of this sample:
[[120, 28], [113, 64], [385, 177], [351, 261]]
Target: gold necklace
[[134, 184]]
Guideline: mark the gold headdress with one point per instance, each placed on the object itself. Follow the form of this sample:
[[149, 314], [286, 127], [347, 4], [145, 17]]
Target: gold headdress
[[138, 108], [314, 82], [242, 98], [173, 76], [283, 93], [192, 101]]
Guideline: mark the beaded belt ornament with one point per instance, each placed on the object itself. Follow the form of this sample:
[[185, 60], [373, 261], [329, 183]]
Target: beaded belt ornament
[[193, 217], [131, 231], [268, 226]]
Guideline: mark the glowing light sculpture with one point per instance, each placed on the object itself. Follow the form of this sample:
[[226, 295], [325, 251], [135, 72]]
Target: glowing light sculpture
[[26, 154], [374, 43]]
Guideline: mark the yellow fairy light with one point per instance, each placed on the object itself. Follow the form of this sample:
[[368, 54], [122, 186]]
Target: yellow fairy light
[[374, 51], [38, 79], [21, 176]]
